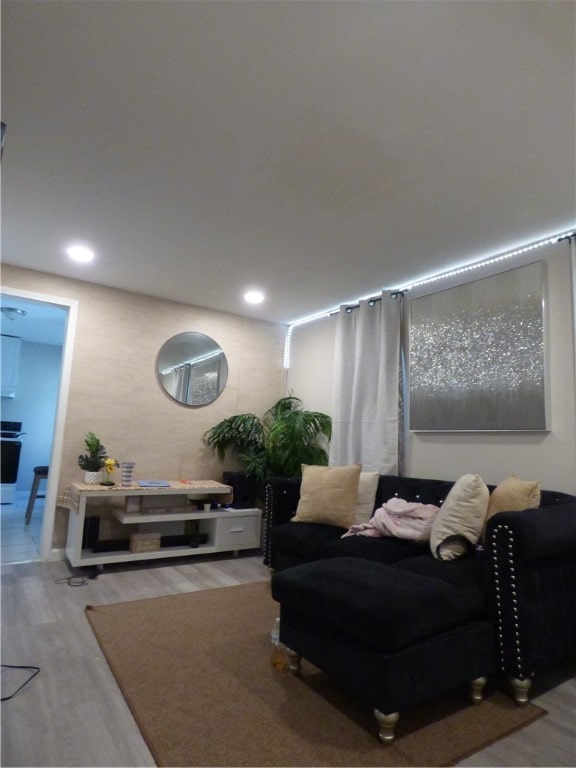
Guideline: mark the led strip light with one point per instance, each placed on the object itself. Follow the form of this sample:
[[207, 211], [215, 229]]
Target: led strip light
[[425, 281], [487, 262]]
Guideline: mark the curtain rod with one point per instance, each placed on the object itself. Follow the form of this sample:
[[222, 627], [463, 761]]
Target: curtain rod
[[371, 302]]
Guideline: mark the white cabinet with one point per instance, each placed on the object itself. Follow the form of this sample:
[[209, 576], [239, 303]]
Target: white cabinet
[[10, 365], [237, 531], [136, 510]]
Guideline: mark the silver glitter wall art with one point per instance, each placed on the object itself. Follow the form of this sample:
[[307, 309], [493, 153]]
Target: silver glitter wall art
[[477, 356]]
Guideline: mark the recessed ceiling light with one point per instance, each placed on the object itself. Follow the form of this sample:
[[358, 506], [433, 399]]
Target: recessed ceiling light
[[80, 253], [254, 297], [13, 312]]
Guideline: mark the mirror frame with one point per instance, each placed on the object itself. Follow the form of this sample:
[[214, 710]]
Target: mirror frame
[[178, 354]]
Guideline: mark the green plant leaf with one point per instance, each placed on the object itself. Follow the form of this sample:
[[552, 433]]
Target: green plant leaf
[[93, 460], [277, 444], [240, 434]]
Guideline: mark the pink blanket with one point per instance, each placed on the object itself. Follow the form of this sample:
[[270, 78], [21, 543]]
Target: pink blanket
[[399, 518]]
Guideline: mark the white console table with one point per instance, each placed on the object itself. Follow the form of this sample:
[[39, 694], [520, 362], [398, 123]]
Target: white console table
[[137, 508]]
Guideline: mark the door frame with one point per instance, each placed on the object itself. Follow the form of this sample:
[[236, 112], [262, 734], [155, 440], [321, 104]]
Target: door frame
[[46, 552]]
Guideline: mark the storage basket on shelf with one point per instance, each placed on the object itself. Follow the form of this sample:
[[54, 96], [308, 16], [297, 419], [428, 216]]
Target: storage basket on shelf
[[145, 542]]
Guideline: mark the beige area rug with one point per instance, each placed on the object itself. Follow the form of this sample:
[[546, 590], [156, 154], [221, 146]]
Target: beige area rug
[[195, 670]]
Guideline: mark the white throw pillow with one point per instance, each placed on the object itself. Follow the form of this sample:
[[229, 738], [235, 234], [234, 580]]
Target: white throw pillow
[[460, 519], [367, 487]]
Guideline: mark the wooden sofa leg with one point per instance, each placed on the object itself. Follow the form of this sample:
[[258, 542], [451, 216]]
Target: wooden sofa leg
[[386, 725], [294, 661], [477, 689], [520, 690]]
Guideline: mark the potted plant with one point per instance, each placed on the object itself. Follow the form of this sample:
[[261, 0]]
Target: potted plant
[[93, 460], [276, 444]]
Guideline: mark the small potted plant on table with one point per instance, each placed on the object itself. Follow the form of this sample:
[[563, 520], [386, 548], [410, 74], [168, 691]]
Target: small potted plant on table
[[93, 460]]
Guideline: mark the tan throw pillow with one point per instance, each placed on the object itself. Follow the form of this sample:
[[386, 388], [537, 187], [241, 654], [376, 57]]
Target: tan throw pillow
[[367, 487], [460, 519], [328, 495], [513, 495]]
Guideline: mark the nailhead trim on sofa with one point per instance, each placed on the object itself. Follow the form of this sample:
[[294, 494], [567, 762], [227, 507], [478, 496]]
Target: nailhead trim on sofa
[[505, 573], [268, 500]]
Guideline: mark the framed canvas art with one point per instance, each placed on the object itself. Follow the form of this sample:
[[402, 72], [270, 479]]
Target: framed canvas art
[[477, 358]]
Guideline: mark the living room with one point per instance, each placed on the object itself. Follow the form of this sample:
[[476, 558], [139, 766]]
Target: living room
[[117, 324]]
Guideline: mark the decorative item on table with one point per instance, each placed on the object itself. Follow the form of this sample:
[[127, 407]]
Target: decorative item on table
[[93, 460], [127, 469], [110, 465]]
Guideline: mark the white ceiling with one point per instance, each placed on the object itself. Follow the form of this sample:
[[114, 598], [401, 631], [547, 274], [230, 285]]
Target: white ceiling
[[318, 150]]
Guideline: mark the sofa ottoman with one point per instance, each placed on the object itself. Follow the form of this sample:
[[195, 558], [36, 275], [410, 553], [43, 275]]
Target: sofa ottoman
[[393, 635]]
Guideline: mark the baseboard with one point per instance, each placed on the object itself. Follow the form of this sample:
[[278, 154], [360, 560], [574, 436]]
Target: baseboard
[[54, 555]]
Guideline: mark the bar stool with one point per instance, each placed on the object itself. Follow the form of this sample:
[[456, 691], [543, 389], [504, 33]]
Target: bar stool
[[40, 473]]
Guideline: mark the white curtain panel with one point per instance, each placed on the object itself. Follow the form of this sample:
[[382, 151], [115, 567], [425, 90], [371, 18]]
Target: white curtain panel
[[365, 393]]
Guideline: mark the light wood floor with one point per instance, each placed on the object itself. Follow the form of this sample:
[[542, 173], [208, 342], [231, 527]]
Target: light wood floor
[[19, 542], [72, 713]]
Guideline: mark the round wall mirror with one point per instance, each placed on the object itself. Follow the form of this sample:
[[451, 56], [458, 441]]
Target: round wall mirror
[[192, 369]]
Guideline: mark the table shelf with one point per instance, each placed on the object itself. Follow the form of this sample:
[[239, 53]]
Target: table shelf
[[225, 528], [164, 517]]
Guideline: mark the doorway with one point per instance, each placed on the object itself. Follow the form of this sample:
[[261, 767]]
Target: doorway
[[45, 327]]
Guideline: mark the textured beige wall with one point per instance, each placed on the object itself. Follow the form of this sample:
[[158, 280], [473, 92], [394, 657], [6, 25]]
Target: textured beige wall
[[113, 387]]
